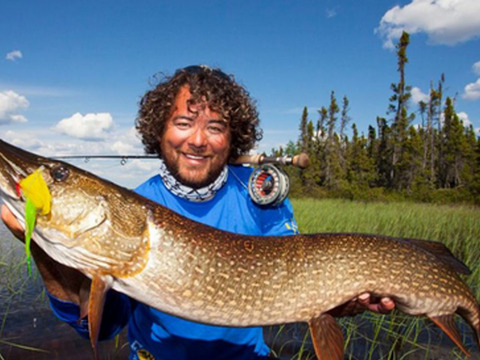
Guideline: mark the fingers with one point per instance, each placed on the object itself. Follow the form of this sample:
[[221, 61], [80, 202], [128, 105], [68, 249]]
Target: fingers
[[386, 304], [11, 222], [383, 306]]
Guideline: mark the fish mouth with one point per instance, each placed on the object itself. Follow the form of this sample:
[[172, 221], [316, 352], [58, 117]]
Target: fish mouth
[[15, 164]]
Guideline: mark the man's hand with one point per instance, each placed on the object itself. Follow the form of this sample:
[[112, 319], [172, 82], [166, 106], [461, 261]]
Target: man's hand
[[61, 281], [364, 302], [12, 223], [382, 305]]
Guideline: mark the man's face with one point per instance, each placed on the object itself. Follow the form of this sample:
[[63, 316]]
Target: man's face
[[196, 142]]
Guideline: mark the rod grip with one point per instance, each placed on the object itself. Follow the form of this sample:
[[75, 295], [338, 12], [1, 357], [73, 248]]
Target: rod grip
[[301, 160]]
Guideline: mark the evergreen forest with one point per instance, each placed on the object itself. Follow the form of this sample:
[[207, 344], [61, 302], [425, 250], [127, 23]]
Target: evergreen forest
[[437, 160]]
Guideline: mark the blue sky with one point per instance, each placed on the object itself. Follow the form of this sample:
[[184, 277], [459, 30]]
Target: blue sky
[[72, 73]]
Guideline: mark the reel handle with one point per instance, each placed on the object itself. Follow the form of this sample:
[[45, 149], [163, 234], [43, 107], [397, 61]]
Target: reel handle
[[301, 161]]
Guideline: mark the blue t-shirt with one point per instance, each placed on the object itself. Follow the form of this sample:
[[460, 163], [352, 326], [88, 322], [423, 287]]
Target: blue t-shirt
[[155, 335]]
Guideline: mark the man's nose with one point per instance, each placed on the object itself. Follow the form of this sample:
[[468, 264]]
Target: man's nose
[[198, 137]]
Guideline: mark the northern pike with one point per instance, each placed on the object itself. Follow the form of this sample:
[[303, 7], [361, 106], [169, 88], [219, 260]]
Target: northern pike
[[125, 242]]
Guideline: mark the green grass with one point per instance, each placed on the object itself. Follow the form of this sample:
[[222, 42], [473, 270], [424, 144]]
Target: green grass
[[395, 336]]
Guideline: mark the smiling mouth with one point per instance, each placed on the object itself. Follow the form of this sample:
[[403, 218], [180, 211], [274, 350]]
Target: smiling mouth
[[195, 157]]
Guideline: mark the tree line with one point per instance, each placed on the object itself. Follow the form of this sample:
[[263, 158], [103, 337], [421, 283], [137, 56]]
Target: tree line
[[435, 160]]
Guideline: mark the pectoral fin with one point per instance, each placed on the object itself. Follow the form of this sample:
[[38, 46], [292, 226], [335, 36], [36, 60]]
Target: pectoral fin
[[447, 324], [327, 337], [98, 291]]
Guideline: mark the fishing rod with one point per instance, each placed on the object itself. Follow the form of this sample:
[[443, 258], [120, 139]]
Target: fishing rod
[[123, 158], [301, 161], [268, 184]]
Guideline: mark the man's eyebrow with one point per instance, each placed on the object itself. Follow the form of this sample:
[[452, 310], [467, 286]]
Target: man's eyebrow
[[186, 117], [219, 121], [192, 118]]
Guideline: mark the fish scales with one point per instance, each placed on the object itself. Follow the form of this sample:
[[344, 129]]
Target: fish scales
[[128, 243], [338, 267]]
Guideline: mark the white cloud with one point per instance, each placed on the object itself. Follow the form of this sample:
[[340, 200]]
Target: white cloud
[[91, 126], [330, 13], [23, 139], [10, 104], [472, 91], [445, 22], [464, 117], [476, 68], [46, 143], [418, 95], [128, 143], [14, 55]]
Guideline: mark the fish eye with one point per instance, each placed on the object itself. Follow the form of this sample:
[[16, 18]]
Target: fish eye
[[59, 173]]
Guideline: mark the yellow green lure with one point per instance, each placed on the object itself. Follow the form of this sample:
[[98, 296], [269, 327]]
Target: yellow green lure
[[37, 200]]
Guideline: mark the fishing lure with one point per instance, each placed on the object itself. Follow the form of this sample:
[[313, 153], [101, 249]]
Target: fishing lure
[[37, 200]]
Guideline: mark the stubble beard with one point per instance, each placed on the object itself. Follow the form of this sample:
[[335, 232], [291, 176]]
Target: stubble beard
[[194, 181]]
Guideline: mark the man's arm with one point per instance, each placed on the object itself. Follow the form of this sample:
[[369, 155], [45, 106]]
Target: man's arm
[[68, 288], [61, 281]]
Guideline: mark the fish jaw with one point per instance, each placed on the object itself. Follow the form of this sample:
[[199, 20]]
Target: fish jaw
[[86, 227]]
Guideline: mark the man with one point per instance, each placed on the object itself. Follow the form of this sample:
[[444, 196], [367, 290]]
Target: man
[[196, 121]]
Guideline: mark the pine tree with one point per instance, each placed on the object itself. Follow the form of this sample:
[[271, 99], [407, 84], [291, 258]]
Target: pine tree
[[372, 145], [401, 121], [361, 167], [435, 153], [343, 141], [470, 168], [332, 162], [384, 154], [303, 138], [412, 161], [454, 148], [345, 118], [312, 176]]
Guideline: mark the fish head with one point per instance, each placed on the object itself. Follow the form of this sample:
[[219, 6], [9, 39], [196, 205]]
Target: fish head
[[92, 224]]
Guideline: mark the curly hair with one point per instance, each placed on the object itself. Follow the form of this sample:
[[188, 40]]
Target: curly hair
[[219, 91]]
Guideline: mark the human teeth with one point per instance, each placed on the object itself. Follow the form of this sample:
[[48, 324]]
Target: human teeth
[[194, 157]]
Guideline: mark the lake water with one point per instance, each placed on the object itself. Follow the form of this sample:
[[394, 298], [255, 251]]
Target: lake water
[[29, 331]]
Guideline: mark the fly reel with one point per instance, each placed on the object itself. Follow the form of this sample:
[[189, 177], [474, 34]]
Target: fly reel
[[268, 185]]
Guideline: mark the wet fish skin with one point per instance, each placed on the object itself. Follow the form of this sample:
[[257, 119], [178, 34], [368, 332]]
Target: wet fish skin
[[128, 243]]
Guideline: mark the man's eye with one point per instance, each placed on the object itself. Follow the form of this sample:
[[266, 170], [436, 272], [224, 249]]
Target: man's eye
[[215, 129], [182, 125]]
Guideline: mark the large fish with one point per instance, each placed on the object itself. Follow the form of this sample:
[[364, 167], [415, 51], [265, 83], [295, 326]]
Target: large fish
[[123, 241]]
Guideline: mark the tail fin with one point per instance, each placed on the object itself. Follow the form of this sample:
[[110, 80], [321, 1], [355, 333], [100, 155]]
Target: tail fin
[[447, 324]]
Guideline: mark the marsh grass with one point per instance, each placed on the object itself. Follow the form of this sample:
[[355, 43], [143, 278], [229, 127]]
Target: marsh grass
[[17, 291], [394, 336]]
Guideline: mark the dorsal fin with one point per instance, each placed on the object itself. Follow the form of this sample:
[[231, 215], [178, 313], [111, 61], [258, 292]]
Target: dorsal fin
[[442, 252]]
